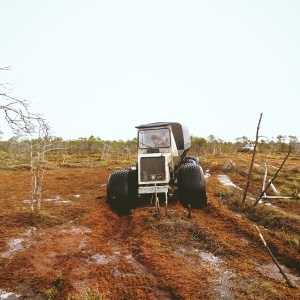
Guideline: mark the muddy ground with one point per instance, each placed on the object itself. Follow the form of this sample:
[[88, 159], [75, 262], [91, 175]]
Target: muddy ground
[[78, 244]]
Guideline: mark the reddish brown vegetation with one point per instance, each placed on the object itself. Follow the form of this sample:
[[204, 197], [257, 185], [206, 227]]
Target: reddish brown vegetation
[[78, 242]]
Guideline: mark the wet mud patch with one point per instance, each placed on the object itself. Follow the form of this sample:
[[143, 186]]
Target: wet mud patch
[[8, 295], [272, 271], [221, 280]]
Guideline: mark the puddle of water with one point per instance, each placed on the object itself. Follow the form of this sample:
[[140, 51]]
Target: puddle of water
[[225, 180], [209, 257], [8, 295], [273, 271], [33, 232], [58, 199], [76, 230], [104, 259], [223, 285], [14, 245], [17, 244], [224, 282], [101, 259]]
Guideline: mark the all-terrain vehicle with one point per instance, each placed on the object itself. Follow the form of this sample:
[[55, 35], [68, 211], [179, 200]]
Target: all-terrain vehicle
[[247, 148], [162, 169]]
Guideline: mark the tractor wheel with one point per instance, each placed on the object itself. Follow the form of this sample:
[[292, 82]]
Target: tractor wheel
[[191, 185], [192, 159], [122, 189], [132, 186]]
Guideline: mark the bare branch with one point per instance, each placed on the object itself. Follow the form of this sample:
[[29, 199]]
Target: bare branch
[[18, 117], [274, 177]]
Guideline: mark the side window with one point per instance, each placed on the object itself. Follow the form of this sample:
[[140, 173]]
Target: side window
[[142, 140]]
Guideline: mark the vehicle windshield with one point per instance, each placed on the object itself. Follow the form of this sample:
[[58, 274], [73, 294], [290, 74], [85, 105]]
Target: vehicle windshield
[[154, 138]]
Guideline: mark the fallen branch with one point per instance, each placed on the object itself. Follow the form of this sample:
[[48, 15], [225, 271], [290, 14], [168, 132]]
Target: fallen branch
[[277, 197], [271, 181], [273, 257]]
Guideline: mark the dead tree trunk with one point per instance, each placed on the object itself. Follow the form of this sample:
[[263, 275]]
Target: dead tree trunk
[[37, 153], [33, 178], [251, 165]]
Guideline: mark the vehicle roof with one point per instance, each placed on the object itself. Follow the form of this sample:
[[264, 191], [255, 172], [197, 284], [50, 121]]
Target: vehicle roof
[[155, 124], [181, 133]]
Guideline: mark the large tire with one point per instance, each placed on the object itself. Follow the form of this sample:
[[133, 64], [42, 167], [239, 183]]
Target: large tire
[[132, 185], [122, 189], [191, 185], [117, 184], [191, 159]]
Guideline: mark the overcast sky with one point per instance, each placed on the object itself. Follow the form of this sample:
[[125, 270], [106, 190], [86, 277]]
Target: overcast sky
[[103, 67]]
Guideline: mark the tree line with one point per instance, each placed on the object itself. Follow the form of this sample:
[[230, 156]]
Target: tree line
[[15, 149]]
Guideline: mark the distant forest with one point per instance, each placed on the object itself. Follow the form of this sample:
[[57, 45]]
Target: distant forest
[[107, 150]]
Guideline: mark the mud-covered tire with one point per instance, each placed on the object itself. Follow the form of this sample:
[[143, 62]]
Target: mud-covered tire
[[132, 185], [191, 185], [191, 159], [117, 184], [122, 188]]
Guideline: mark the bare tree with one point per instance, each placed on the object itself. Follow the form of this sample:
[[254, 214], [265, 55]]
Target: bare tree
[[23, 124], [37, 161]]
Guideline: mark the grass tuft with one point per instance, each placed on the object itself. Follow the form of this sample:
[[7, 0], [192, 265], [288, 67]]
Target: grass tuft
[[88, 294]]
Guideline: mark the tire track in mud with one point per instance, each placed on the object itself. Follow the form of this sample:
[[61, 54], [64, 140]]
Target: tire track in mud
[[122, 276], [194, 271], [172, 275], [187, 273], [202, 274], [143, 265]]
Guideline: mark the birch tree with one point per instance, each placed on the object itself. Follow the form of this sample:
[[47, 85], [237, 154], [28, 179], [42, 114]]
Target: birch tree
[[25, 124]]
